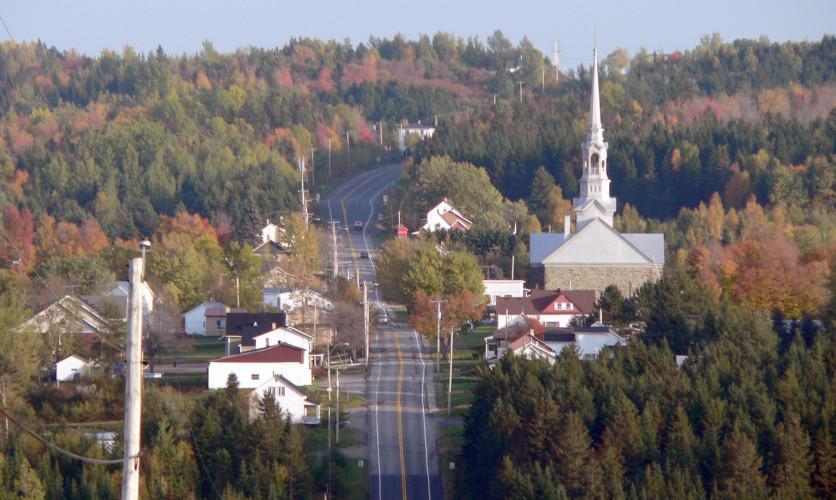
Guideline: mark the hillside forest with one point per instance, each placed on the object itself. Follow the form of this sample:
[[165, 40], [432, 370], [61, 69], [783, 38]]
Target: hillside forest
[[726, 147]]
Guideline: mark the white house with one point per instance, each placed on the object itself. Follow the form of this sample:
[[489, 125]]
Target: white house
[[254, 367], [445, 216], [530, 347], [70, 367], [289, 397], [195, 318], [421, 131], [70, 315], [552, 308], [589, 340], [503, 288], [289, 299], [284, 335]]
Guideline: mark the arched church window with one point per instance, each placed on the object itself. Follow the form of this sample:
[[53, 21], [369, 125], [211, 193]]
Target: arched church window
[[594, 161]]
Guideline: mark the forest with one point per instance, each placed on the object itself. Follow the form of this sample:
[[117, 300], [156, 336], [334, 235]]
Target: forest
[[727, 148]]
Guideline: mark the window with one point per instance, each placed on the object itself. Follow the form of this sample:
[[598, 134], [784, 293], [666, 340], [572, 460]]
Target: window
[[594, 161], [255, 376], [276, 392]]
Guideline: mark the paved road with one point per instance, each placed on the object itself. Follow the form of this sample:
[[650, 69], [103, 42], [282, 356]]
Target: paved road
[[399, 392]]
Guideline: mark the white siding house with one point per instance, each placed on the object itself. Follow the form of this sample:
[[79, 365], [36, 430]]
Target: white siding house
[[503, 288], [195, 319], [285, 335], [70, 367], [418, 130], [445, 216], [254, 367], [290, 399], [288, 299]]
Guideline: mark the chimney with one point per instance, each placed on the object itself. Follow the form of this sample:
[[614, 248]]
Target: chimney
[[567, 226]]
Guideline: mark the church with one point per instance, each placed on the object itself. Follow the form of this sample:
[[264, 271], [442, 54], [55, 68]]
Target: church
[[596, 255]]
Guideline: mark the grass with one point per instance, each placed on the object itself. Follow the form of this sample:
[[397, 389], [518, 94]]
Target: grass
[[468, 348], [349, 480], [201, 350], [466, 357], [184, 381]]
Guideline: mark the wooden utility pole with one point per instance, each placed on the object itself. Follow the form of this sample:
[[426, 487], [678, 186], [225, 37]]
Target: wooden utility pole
[[366, 317], [301, 162], [336, 270], [133, 385], [450, 379], [556, 61], [329, 157], [313, 168], [348, 149], [437, 303], [520, 82]]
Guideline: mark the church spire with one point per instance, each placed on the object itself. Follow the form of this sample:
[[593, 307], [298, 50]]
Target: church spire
[[596, 131]]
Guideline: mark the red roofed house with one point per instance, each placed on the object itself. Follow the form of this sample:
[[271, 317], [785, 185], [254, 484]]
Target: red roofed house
[[550, 308], [445, 216], [253, 368]]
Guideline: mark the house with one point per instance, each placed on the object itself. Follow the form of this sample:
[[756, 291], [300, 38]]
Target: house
[[71, 368], [530, 347], [117, 294], [244, 325], [251, 338], [272, 232], [289, 398], [503, 288], [590, 340], [291, 299], [550, 341], [69, 315], [551, 308], [208, 318], [596, 255], [445, 216], [270, 249], [254, 367], [422, 132]]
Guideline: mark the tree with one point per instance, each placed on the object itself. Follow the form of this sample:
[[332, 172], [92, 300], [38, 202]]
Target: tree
[[742, 476], [573, 454], [791, 468]]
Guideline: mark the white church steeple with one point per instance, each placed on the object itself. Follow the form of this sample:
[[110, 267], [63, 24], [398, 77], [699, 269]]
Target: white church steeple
[[594, 200]]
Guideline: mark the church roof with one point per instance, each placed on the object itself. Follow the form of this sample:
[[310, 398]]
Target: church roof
[[651, 246]]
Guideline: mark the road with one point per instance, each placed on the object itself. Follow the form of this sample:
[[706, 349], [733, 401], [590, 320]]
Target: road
[[402, 433]]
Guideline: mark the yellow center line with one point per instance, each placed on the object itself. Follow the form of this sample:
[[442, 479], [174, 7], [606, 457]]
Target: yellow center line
[[400, 419], [345, 216]]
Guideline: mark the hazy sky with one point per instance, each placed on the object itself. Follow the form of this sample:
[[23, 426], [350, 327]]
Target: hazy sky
[[181, 25]]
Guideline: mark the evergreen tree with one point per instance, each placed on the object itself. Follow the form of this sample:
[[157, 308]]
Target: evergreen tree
[[742, 477], [791, 467]]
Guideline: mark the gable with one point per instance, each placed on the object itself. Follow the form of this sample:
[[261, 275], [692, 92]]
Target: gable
[[597, 243]]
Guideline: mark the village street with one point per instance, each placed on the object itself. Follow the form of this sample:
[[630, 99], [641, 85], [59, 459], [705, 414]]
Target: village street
[[402, 432]]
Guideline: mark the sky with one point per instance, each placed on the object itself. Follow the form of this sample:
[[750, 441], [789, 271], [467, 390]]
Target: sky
[[180, 26]]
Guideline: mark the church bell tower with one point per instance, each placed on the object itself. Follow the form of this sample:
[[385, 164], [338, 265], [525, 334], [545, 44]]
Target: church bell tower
[[594, 200]]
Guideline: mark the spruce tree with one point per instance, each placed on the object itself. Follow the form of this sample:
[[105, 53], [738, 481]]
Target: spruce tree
[[791, 468]]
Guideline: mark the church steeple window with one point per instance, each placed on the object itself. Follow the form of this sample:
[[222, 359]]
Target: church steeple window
[[595, 160]]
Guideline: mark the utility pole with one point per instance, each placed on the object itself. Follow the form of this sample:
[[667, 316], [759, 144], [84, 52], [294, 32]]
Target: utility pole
[[438, 303], [450, 375], [133, 385], [348, 149], [543, 84], [300, 160], [329, 157], [313, 168], [380, 124], [366, 317], [238, 292], [336, 270], [556, 61], [520, 83], [337, 430]]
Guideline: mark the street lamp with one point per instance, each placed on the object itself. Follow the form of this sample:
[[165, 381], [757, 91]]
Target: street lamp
[[144, 245]]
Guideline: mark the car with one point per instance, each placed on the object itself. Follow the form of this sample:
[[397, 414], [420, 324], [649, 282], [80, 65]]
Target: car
[[364, 255], [358, 226]]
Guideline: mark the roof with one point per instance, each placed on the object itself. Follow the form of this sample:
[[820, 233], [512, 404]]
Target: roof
[[454, 219], [76, 357], [539, 300], [269, 247], [260, 322], [73, 308], [287, 383], [249, 334], [525, 340], [206, 305], [558, 335], [651, 245], [543, 244], [280, 353]]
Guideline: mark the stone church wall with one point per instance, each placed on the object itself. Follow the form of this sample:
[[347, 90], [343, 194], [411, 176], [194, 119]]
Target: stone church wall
[[627, 278]]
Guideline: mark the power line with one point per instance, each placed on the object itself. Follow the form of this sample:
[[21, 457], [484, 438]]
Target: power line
[[7, 29], [54, 447], [203, 465]]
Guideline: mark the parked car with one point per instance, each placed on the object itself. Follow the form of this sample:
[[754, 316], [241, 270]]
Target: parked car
[[358, 225]]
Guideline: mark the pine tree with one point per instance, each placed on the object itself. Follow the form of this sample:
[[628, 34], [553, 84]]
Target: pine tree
[[790, 472], [742, 477], [573, 454], [824, 476], [27, 484]]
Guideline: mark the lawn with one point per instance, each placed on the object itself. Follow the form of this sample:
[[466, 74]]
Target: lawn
[[467, 352], [349, 479], [197, 350]]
